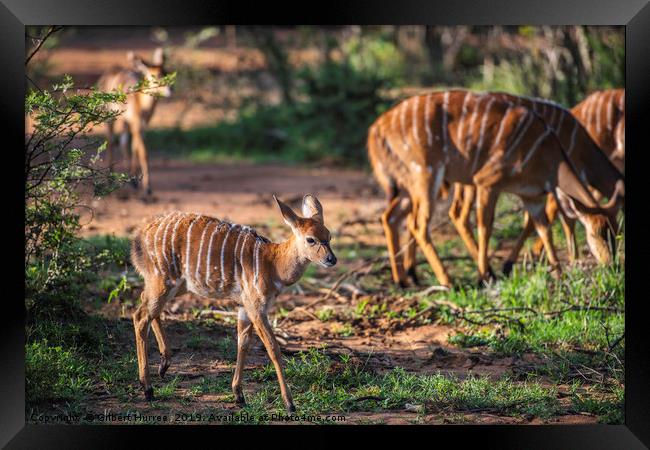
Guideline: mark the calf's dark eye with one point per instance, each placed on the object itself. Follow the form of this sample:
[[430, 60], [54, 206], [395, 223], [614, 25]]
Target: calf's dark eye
[[311, 241]]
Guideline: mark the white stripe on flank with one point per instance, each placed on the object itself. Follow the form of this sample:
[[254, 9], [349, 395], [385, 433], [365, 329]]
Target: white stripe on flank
[[621, 103], [222, 274], [208, 269], [155, 240], [445, 121], [173, 245], [610, 109], [147, 244], [164, 242], [258, 244], [461, 125], [521, 129], [472, 121], [534, 147], [402, 116], [479, 146], [241, 261], [590, 109], [501, 124], [187, 251], [234, 256], [414, 120], [599, 105], [427, 120], [198, 256], [573, 137]]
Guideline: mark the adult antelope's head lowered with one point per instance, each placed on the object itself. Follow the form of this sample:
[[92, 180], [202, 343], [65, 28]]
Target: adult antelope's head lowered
[[312, 238], [151, 71], [601, 225]]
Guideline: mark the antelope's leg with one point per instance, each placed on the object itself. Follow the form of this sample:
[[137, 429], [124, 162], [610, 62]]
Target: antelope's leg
[[486, 199], [410, 260], [514, 253], [264, 331], [459, 211], [418, 224], [244, 332], [165, 353], [140, 150], [390, 225], [568, 226], [152, 300], [535, 208]]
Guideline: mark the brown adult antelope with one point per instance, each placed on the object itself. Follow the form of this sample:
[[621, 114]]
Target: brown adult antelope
[[592, 165], [180, 252], [137, 111], [603, 115], [481, 140]]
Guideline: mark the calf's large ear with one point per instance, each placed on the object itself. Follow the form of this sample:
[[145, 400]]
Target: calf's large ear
[[290, 217], [311, 208]]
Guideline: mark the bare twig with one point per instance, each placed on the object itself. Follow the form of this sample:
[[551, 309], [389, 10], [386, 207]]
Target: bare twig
[[41, 41]]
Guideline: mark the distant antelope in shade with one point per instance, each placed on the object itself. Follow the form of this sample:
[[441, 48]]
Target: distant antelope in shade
[[481, 140], [180, 252], [137, 111], [603, 115]]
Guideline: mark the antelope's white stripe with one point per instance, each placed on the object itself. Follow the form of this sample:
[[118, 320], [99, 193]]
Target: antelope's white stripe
[[522, 127], [223, 250], [461, 125], [445, 121], [187, 248], [234, 256], [198, 256], [610, 111], [256, 256], [164, 242], [427, 120], [241, 261], [173, 244], [402, 116], [621, 103], [479, 146], [209, 270], [501, 126], [472, 121], [147, 244], [599, 104], [534, 147], [414, 119], [155, 240], [573, 137]]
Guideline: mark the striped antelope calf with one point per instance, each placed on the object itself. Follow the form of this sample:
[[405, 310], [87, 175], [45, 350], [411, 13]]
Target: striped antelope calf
[[138, 110], [180, 252], [481, 140], [603, 115], [592, 165]]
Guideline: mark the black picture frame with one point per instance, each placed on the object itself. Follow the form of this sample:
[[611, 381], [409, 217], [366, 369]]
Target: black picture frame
[[633, 14]]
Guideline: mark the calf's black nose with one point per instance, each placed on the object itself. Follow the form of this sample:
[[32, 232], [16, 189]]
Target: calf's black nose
[[331, 259]]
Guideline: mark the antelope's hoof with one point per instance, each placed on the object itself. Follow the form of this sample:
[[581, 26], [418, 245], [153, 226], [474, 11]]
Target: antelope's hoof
[[134, 182], [240, 400], [507, 267], [413, 276], [164, 365], [402, 284], [291, 408], [148, 394]]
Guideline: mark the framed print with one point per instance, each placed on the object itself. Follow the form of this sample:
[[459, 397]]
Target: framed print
[[361, 215]]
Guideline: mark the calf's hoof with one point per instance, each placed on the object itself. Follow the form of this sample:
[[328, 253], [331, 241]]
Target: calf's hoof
[[291, 408], [148, 394], [240, 400]]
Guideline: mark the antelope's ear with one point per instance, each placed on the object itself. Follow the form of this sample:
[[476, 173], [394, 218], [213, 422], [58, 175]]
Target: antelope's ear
[[570, 208], [136, 62], [158, 57], [311, 208], [290, 217]]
